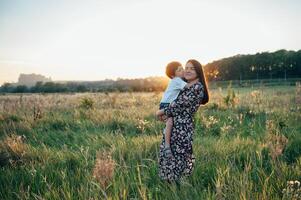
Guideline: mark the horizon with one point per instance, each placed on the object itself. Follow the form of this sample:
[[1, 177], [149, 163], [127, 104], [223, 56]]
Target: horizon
[[116, 78], [98, 40]]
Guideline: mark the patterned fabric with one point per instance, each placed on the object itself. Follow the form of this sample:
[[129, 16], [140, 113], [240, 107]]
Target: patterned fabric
[[163, 105], [182, 111]]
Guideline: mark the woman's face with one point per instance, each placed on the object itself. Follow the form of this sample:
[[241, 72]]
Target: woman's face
[[190, 73]]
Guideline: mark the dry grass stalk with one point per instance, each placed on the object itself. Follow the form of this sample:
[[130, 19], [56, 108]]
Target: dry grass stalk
[[104, 168], [276, 145]]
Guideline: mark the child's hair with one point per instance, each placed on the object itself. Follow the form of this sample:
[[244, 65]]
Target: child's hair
[[171, 68]]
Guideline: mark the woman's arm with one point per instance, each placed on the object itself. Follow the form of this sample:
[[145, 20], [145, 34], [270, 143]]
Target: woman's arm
[[186, 100]]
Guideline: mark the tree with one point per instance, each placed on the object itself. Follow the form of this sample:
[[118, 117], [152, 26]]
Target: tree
[[7, 87], [21, 89], [81, 88]]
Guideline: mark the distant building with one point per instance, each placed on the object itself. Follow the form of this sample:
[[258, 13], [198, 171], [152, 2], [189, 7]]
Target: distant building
[[31, 79]]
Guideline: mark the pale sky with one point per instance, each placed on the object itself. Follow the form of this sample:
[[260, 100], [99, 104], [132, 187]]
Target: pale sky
[[98, 39]]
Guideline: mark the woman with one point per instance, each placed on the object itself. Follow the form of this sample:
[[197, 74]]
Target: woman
[[182, 111]]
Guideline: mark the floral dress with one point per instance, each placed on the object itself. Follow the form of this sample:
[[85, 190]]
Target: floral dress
[[182, 111]]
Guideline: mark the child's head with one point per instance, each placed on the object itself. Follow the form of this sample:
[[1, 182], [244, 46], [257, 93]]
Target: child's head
[[174, 69]]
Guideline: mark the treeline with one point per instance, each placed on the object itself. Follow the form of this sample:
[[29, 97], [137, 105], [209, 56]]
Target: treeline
[[150, 84], [264, 66], [279, 64]]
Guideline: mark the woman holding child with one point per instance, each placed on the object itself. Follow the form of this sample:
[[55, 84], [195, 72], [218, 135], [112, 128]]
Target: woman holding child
[[176, 157]]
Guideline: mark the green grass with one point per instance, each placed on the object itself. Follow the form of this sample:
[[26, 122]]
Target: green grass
[[238, 147]]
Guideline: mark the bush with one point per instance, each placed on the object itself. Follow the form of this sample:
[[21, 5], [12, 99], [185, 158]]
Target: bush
[[87, 103], [231, 99]]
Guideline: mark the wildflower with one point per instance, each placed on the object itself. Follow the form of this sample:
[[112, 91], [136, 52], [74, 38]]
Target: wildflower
[[142, 124], [292, 190]]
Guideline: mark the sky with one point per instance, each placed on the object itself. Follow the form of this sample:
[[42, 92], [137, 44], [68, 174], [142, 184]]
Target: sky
[[107, 39]]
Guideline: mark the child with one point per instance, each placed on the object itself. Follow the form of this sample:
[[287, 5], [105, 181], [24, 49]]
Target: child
[[175, 72]]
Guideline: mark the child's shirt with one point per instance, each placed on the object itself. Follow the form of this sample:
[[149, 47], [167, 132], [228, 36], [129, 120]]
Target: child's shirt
[[173, 89]]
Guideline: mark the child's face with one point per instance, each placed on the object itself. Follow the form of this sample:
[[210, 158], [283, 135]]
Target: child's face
[[179, 72]]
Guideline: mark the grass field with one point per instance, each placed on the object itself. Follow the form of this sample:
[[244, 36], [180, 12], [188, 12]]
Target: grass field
[[247, 145]]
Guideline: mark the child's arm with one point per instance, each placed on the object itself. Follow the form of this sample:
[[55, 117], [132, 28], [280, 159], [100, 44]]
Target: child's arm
[[187, 85], [179, 83]]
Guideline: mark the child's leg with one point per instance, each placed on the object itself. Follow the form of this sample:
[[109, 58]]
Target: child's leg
[[169, 123]]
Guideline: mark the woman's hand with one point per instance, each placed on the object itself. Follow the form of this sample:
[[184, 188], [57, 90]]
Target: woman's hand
[[172, 104], [163, 118], [159, 113]]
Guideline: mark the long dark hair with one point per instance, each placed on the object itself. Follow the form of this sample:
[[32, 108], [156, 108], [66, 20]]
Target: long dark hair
[[199, 71]]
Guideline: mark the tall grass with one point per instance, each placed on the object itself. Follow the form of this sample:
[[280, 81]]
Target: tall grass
[[105, 146]]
